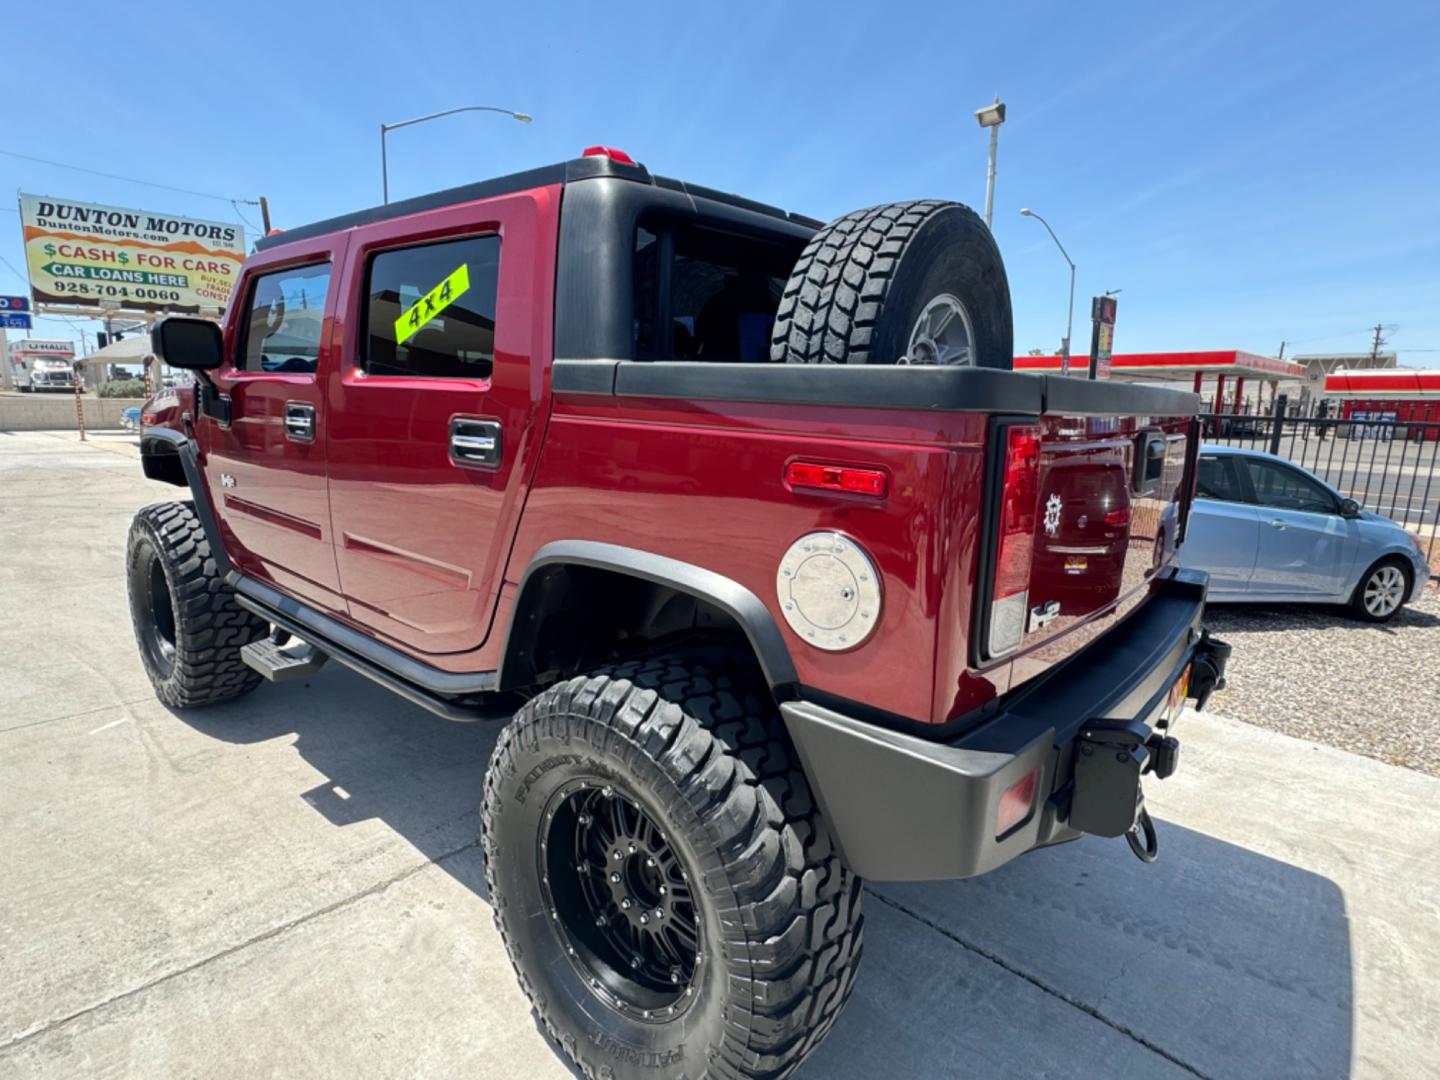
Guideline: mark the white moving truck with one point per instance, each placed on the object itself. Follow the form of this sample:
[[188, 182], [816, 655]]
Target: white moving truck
[[39, 365]]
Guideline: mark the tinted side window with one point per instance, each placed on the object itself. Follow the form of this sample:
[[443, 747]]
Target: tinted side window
[[430, 310], [1218, 480], [705, 294], [1282, 488], [282, 324]]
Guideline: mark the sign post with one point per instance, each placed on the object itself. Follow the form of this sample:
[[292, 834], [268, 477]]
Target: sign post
[[1102, 335]]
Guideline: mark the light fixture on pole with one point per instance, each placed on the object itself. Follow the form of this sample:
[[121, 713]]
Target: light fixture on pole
[[524, 118], [1070, 312], [991, 116]]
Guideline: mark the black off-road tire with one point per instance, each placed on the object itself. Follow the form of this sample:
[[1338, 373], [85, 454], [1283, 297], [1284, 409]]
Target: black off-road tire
[[187, 623], [863, 280], [778, 912]]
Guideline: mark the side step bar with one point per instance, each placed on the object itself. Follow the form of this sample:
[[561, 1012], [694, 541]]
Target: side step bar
[[281, 664], [449, 709]]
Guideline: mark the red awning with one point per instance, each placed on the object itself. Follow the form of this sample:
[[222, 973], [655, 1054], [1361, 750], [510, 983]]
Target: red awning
[[1389, 384], [1178, 365]]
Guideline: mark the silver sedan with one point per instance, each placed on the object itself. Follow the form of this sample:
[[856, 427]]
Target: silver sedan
[[1268, 531]]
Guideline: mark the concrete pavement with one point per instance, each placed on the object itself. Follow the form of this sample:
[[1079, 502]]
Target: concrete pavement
[[290, 884]]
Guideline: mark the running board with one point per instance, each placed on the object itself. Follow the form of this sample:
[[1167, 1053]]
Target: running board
[[281, 664], [448, 708]]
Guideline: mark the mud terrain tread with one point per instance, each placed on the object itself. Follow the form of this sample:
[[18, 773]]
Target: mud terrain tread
[[834, 295], [210, 625], [794, 934]]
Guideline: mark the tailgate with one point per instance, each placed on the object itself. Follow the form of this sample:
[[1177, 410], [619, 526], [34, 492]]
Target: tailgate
[[1086, 511]]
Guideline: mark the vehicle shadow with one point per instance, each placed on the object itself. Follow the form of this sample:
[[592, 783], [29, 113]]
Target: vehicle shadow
[[1286, 617], [1076, 960]]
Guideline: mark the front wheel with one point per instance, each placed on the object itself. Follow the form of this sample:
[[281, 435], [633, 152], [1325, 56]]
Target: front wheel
[[1381, 592], [668, 894], [188, 624]]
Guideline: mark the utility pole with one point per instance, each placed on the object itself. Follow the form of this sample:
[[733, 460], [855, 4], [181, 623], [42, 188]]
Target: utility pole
[[1375, 348], [1282, 351], [265, 214]]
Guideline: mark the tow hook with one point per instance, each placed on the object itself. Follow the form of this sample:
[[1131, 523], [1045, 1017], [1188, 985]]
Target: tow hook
[[1146, 848]]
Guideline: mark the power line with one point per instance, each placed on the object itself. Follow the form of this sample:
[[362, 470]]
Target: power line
[[128, 179]]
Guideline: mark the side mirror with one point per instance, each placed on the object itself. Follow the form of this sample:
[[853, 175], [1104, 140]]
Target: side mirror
[[193, 344], [1349, 508]]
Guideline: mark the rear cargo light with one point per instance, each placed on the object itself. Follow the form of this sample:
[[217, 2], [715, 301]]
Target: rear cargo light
[[1016, 802], [1016, 542], [846, 478], [620, 157], [1118, 518]]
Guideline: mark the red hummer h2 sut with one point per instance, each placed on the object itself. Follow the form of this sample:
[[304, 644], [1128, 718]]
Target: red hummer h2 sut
[[803, 585]]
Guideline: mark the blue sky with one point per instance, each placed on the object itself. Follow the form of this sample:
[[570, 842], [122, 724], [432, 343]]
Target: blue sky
[[1246, 173]]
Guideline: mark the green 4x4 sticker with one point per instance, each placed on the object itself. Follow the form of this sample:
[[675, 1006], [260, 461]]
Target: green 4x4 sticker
[[432, 303]]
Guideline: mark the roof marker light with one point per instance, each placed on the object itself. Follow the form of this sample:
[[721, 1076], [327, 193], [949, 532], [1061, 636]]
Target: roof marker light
[[620, 157]]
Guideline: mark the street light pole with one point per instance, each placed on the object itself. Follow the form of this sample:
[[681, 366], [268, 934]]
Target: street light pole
[[524, 118], [1070, 311], [991, 116]]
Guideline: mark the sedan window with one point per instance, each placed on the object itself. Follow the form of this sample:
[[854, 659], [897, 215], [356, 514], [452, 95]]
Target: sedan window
[[1283, 488], [1217, 480]]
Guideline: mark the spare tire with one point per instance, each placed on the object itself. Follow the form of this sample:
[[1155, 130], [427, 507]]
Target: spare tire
[[911, 283]]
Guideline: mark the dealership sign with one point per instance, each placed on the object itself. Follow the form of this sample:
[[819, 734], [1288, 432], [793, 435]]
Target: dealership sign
[[84, 255]]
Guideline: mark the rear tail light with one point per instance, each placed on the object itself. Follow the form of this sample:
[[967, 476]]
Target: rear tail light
[[1016, 802], [1009, 598], [1118, 518]]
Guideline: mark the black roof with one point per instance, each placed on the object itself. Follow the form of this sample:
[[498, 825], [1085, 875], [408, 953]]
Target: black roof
[[565, 172]]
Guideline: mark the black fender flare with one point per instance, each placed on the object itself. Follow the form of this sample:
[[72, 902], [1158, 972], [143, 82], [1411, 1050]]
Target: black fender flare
[[190, 462], [747, 609]]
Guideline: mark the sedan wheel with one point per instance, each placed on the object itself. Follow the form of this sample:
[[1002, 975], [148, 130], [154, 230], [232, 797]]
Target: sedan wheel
[[1381, 593]]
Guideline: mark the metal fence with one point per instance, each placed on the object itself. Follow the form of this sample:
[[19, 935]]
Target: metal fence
[[1387, 466]]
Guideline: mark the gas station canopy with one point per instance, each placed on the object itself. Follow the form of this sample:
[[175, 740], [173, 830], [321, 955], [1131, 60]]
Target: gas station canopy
[[1176, 365], [1392, 384]]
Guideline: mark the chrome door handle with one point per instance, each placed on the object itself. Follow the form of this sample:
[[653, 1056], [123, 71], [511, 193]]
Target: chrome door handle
[[475, 442], [1276, 523], [299, 421]]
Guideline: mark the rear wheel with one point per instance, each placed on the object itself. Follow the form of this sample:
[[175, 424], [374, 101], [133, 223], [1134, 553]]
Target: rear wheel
[[188, 625], [1381, 592], [911, 283], [668, 894]]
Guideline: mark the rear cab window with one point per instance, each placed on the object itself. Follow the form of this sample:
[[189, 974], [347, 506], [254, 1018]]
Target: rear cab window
[[705, 293], [430, 310]]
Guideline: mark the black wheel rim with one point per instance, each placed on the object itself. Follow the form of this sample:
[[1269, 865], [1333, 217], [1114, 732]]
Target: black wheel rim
[[159, 636], [621, 901]]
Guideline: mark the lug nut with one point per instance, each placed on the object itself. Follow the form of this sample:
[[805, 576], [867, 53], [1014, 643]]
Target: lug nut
[[659, 913], [644, 919], [627, 903], [675, 975], [649, 861], [664, 891], [601, 920], [632, 849], [607, 791], [584, 819], [617, 855], [635, 961]]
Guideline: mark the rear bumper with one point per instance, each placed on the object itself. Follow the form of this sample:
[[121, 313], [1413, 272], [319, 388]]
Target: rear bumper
[[907, 809]]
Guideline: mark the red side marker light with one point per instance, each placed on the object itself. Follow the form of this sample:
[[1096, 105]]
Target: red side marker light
[[846, 478], [1016, 803], [620, 157]]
